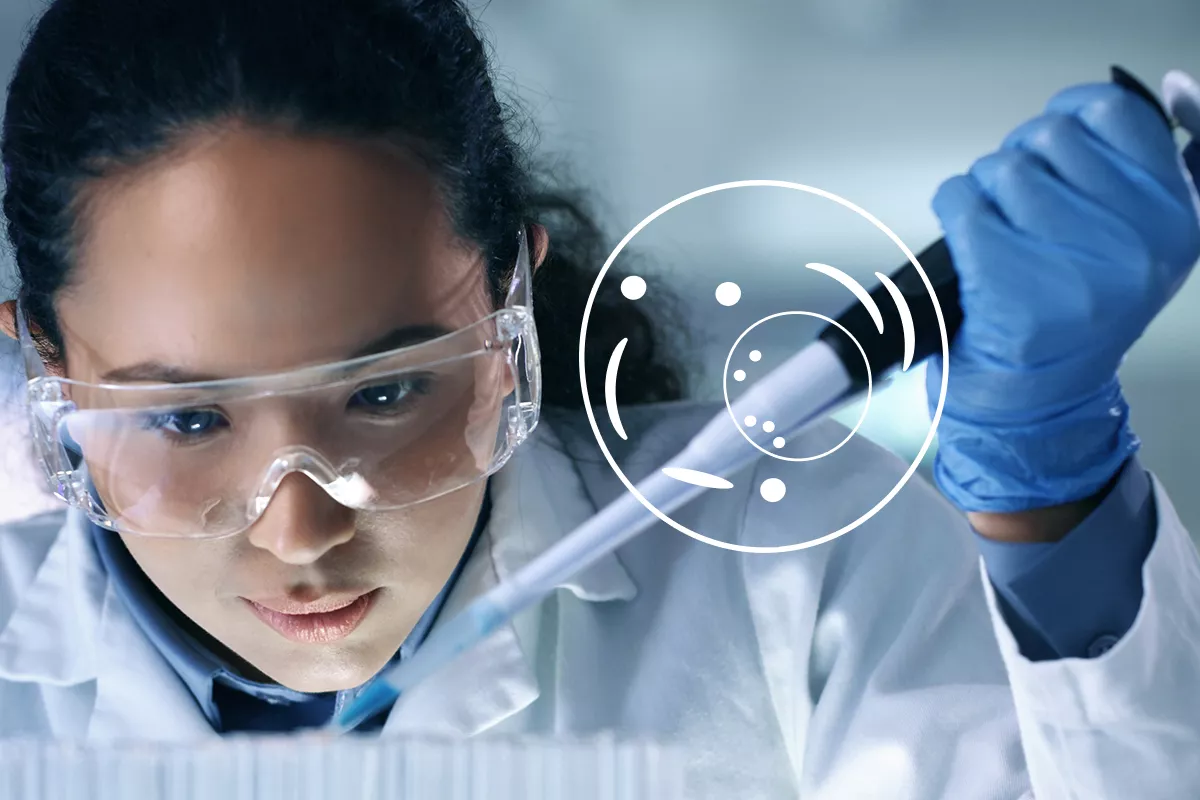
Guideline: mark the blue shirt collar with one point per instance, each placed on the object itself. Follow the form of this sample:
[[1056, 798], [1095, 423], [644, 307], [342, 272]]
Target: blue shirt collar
[[230, 701]]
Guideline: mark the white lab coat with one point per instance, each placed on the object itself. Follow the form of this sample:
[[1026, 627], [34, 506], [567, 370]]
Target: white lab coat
[[875, 666]]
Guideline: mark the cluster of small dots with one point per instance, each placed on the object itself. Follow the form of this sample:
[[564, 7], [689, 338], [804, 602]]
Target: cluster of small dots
[[767, 426]]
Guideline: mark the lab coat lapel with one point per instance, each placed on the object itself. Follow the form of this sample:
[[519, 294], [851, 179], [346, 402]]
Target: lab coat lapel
[[50, 637], [138, 694], [536, 499], [71, 629]]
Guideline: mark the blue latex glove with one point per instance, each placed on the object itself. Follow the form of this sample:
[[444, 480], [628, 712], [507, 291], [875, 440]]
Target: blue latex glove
[[1068, 241]]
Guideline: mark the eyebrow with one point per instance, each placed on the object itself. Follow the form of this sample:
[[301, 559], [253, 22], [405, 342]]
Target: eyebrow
[[158, 372]]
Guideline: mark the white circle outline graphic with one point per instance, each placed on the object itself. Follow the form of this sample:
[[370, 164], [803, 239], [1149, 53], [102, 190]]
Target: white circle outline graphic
[[587, 403], [861, 417]]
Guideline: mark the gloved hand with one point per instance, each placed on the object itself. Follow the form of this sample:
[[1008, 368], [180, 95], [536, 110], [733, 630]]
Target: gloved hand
[[1068, 241]]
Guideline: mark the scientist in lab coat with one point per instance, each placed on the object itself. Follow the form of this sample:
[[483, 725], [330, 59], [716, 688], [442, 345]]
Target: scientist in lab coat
[[274, 347]]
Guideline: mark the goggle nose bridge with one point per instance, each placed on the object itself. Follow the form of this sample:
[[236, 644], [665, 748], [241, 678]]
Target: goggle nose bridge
[[345, 484]]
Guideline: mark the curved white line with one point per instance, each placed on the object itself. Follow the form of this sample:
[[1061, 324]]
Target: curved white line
[[610, 388], [697, 478], [906, 320], [854, 286]]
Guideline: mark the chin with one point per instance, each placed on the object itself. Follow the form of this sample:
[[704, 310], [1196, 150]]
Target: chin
[[327, 674]]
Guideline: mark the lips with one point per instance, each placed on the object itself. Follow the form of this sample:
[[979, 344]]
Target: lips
[[327, 619]]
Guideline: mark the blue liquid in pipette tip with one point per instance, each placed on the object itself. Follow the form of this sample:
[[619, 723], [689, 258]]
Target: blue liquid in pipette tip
[[377, 697]]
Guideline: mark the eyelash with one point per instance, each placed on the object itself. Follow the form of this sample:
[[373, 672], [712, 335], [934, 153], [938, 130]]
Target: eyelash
[[158, 423], [412, 387], [415, 386]]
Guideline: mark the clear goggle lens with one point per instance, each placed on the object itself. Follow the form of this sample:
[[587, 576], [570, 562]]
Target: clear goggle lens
[[377, 433]]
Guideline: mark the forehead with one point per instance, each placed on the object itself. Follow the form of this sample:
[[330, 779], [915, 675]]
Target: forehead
[[252, 251]]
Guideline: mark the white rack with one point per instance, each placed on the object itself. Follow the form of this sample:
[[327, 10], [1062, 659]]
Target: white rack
[[350, 768]]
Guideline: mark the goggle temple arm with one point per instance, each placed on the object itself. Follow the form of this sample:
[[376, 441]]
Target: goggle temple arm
[[520, 291]]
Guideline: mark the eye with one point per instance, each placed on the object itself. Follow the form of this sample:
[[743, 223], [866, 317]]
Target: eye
[[390, 397], [187, 424]]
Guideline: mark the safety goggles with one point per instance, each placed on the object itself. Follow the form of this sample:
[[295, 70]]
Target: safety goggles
[[378, 433]]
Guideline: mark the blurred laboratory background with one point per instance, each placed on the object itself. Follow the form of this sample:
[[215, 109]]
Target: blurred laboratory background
[[877, 101]]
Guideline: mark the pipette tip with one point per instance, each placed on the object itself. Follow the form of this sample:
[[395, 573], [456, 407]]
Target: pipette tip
[[378, 697]]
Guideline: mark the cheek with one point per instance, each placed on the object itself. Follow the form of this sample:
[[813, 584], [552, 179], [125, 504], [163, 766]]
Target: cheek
[[188, 572], [421, 544]]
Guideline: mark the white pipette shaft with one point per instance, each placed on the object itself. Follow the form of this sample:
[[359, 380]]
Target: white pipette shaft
[[797, 393]]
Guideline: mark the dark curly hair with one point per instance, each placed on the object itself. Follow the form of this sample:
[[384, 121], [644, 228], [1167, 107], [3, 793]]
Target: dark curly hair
[[106, 85]]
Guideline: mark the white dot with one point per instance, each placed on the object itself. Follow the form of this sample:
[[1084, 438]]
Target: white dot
[[728, 294], [633, 287], [755, 355], [751, 421], [768, 426], [772, 490], [739, 375], [779, 441]]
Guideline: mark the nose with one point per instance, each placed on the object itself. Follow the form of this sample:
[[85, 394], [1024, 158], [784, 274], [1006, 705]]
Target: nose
[[302, 522]]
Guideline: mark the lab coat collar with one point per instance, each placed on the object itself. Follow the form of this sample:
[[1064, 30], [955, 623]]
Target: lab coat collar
[[540, 496], [70, 627]]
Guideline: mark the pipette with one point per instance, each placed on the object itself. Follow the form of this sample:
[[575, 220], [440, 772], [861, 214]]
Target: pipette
[[801, 391]]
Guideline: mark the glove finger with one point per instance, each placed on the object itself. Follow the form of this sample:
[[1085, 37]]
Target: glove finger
[[980, 239], [959, 201], [972, 225], [1037, 203], [1125, 122], [1162, 215]]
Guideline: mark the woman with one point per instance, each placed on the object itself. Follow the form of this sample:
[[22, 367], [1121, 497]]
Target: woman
[[275, 262]]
